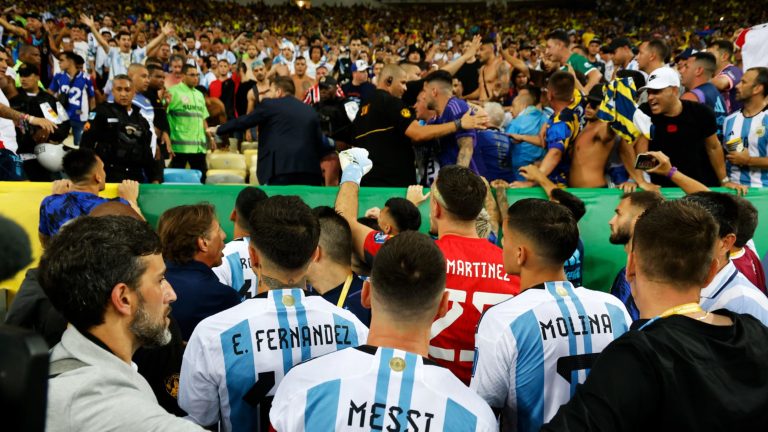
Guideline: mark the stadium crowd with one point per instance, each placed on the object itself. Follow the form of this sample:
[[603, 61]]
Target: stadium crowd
[[318, 319]]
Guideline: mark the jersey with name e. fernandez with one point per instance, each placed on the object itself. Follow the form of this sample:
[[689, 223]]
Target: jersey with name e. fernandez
[[235, 359], [533, 350], [370, 388], [235, 269]]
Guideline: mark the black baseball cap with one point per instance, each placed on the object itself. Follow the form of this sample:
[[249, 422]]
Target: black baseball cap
[[618, 43], [327, 82]]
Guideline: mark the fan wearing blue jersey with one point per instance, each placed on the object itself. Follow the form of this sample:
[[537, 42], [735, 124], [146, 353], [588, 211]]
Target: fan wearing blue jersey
[[389, 384], [533, 350], [729, 289], [236, 359], [749, 126], [235, 269], [686, 368]]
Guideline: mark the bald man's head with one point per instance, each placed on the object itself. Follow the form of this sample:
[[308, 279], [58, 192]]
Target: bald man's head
[[139, 75], [114, 208], [392, 80]]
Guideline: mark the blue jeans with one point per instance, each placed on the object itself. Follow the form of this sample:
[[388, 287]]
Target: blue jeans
[[77, 130]]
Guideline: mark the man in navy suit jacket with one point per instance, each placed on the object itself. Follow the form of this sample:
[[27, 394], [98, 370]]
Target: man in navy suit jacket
[[290, 141]]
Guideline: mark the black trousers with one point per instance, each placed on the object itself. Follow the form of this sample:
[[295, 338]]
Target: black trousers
[[195, 160]]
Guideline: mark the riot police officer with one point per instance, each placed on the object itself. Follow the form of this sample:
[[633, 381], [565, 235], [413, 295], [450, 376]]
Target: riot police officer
[[120, 135]]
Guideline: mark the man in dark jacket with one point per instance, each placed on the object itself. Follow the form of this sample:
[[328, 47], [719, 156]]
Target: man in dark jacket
[[38, 103], [290, 141]]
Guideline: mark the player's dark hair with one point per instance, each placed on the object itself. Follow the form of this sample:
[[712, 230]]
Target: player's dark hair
[[245, 202], [561, 86], [761, 78], [549, 226], [462, 191], [405, 214], [535, 92], [285, 231], [78, 164], [27, 70], [370, 223], [285, 84], [723, 208], [408, 276], [660, 48], [442, 78], [87, 258], [560, 35], [644, 199], [571, 202], [187, 67], [674, 242], [335, 235], [180, 227], [707, 61], [723, 45], [747, 223]]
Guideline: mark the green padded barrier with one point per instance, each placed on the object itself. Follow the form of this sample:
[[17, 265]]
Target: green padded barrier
[[602, 259]]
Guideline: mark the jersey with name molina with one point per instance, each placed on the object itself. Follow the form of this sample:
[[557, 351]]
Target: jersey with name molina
[[377, 389], [236, 359], [533, 350]]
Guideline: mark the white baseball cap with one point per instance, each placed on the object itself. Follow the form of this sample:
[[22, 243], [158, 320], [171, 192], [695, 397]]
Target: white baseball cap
[[360, 66], [662, 78]]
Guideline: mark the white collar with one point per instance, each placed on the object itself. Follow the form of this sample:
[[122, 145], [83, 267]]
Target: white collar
[[723, 277]]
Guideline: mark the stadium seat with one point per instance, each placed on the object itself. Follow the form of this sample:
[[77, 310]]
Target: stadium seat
[[226, 161], [250, 157], [182, 176], [23, 379], [248, 145], [252, 179], [225, 176]]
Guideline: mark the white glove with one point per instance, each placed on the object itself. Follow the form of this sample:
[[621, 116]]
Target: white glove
[[354, 164]]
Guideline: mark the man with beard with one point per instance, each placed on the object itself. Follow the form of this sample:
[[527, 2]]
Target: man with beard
[[106, 276], [558, 51], [493, 76], [622, 225]]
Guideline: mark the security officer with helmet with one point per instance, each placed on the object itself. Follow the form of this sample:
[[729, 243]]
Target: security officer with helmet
[[120, 136]]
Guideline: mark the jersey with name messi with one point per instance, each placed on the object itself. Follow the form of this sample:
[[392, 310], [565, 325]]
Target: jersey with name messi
[[235, 359], [533, 350], [372, 388], [562, 130], [235, 269]]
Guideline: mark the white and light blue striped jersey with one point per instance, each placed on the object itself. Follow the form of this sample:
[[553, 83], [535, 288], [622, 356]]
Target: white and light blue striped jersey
[[533, 350], [235, 359], [733, 291], [235, 269], [753, 132], [370, 388]]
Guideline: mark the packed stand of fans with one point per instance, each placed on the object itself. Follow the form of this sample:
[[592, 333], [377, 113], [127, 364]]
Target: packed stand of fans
[[73, 73], [318, 319]]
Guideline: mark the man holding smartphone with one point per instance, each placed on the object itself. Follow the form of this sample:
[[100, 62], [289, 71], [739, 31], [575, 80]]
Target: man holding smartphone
[[686, 131]]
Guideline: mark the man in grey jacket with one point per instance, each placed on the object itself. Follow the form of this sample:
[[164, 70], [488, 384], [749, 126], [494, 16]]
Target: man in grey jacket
[[106, 277]]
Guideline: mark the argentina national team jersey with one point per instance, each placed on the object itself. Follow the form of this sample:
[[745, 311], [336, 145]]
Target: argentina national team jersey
[[753, 132], [732, 290], [372, 388], [235, 359], [235, 269], [533, 350]]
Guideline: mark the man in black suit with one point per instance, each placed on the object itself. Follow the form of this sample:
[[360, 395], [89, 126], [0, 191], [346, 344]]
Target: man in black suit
[[290, 141]]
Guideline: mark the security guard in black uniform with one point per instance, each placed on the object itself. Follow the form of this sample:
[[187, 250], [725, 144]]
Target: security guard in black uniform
[[120, 135]]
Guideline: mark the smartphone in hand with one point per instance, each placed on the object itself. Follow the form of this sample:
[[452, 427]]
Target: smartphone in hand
[[645, 162]]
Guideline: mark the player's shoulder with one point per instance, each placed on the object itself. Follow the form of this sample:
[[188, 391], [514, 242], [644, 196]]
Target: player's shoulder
[[459, 396], [251, 310], [584, 292], [504, 313], [237, 245], [342, 364]]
